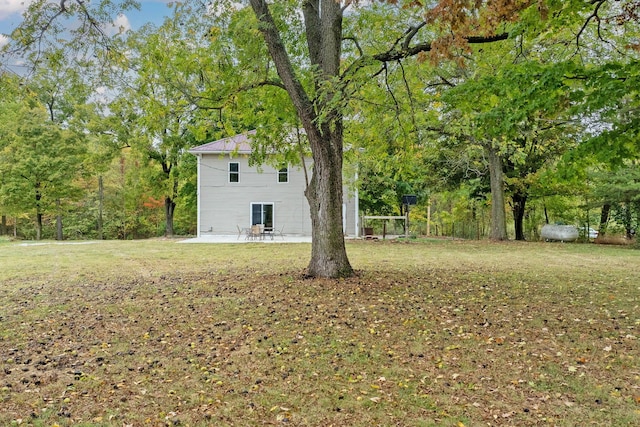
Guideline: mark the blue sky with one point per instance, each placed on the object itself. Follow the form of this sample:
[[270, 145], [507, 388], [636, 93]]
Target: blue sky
[[151, 11]]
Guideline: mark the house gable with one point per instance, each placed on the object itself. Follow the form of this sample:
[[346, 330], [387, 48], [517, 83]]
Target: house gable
[[238, 144]]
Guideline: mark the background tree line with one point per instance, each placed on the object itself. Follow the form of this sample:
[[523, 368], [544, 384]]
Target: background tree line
[[500, 116]]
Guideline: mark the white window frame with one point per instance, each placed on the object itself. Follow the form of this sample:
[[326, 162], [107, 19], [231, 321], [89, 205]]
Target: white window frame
[[262, 204], [237, 173], [280, 173]]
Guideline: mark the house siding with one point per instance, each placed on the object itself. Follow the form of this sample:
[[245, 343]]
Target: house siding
[[224, 206], [350, 213]]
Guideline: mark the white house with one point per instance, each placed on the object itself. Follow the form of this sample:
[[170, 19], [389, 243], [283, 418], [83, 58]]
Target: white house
[[233, 195]]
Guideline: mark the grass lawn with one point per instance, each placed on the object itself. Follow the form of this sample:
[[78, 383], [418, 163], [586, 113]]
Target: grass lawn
[[433, 333]]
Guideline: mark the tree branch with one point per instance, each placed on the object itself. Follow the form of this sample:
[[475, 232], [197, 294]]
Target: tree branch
[[311, 13], [446, 82], [278, 52], [410, 34], [355, 42], [396, 54], [594, 15]]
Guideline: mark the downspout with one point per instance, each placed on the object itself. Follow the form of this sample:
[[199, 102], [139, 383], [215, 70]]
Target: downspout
[[198, 204]]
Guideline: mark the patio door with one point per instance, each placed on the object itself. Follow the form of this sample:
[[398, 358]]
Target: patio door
[[262, 213]]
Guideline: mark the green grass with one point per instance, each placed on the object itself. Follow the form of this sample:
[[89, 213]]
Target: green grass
[[429, 333]]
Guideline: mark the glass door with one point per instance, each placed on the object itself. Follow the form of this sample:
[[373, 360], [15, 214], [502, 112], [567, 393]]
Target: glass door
[[262, 213]]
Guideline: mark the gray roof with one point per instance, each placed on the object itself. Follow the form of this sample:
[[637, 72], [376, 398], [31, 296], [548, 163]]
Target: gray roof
[[234, 144]]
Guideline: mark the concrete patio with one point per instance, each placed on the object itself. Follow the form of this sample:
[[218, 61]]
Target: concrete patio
[[242, 239]]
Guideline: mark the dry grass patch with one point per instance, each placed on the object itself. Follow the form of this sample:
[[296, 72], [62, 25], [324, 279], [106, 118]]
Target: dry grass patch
[[437, 333]]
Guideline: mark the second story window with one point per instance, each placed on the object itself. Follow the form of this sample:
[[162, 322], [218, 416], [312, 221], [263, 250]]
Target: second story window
[[283, 174], [234, 172]]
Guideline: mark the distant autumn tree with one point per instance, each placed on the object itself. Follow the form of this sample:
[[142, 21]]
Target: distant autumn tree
[[39, 164]]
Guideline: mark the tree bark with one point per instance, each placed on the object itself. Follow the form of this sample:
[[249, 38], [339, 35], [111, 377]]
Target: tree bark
[[169, 208], [38, 226], [170, 201], [604, 219], [323, 20], [38, 212], [3, 225], [519, 203], [324, 194], [546, 215], [498, 217]]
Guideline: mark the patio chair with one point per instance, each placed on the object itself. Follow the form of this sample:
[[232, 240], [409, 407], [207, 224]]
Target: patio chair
[[278, 232], [255, 232]]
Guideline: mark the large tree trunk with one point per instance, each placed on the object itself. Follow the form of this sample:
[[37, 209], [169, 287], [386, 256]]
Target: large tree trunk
[[519, 203], [38, 225], [3, 225], [604, 219], [323, 23], [169, 208], [169, 201], [324, 194], [498, 217], [38, 212]]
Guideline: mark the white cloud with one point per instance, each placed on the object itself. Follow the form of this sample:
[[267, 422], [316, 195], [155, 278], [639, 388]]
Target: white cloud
[[120, 25], [3, 40], [9, 7]]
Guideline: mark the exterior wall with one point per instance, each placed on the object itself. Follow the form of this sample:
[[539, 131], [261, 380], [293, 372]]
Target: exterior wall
[[350, 213], [224, 206]]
